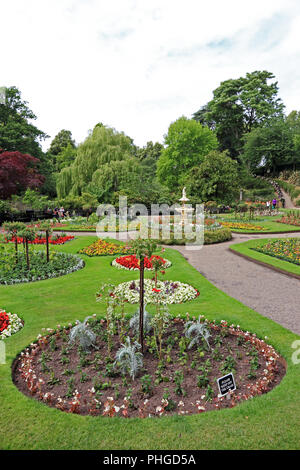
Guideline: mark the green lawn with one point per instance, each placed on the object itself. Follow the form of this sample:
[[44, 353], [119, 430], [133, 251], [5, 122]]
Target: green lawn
[[268, 223], [245, 249], [267, 422]]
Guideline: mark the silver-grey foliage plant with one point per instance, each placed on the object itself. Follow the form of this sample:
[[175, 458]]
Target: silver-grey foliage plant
[[196, 331], [84, 334], [134, 322], [128, 359]]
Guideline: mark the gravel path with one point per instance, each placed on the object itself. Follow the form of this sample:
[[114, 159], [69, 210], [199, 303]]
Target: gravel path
[[272, 294], [288, 201]]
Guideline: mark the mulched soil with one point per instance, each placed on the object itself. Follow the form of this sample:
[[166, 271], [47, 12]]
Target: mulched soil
[[94, 369]]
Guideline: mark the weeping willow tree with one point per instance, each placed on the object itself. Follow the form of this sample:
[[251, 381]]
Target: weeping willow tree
[[103, 162]]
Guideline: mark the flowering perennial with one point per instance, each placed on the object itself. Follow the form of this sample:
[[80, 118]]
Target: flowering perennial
[[102, 248], [285, 249], [9, 324], [40, 240], [169, 292], [243, 226], [131, 262]]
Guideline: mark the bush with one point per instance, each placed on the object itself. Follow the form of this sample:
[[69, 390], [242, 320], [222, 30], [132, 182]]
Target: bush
[[210, 236], [217, 236]]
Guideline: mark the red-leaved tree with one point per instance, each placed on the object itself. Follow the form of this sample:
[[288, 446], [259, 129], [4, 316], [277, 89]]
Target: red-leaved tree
[[17, 173]]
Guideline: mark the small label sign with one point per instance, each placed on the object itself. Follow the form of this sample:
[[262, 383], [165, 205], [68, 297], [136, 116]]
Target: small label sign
[[226, 384]]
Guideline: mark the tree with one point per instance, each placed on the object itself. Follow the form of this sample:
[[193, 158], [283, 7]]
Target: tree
[[61, 141], [18, 172], [99, 164], [187, 142], [65, 157], [293, 121], [28, 235], [215, 179], [12, 229], [62, 150], [18, 134], [240, 105], [46, 227], [34, 200], [269, 147], [142, 249]]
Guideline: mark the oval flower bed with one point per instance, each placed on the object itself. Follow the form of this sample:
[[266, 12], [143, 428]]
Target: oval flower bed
[[183, 382], [10, 323], [60, 264], [167, 292], [102, 248], [131, 262]]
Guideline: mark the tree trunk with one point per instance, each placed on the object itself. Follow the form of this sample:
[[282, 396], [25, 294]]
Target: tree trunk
[[47, 245], [142, 304], [27, 254], [16, 248]]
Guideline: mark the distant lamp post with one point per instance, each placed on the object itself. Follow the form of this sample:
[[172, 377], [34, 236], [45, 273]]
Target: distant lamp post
[[241, 194]]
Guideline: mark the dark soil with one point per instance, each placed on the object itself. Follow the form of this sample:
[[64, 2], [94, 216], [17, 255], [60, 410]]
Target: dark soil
[[64, 369]]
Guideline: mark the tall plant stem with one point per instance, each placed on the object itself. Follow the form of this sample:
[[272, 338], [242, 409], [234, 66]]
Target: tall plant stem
[[142, 304], [16, 248], [27, 254], [47, 245]]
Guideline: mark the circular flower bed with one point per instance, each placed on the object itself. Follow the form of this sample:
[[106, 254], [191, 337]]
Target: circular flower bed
[[132, 263], [183, 382], [9, 324], [59, 265], [166, 292]]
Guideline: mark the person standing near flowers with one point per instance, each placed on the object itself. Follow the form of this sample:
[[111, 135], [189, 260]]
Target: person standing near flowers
[[274, 202]]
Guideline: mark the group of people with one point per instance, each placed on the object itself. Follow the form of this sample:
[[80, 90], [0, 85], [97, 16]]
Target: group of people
[[274, 203], [60, 213]]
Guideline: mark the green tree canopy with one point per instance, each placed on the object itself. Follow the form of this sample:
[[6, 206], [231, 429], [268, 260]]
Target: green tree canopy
[[240, 105], [61, 141], [187, 142], [104, 161], [270, 147], [215, 179], [17, 133]]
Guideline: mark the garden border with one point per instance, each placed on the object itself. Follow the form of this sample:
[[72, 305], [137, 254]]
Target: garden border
[[266, 265], [266, 233]]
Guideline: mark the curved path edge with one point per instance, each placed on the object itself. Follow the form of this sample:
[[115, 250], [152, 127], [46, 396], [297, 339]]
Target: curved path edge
[[267, 265]]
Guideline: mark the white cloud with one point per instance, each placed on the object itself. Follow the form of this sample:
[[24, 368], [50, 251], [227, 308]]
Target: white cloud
[[139, 65]]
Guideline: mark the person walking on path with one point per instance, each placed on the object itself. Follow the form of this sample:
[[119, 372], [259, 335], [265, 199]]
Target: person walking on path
[[274, 202]]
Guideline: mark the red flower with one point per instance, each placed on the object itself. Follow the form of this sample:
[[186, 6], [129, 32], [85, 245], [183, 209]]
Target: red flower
[[4, 321], [155, 290]]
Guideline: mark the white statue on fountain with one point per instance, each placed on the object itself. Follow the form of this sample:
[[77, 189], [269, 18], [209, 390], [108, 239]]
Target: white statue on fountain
[[184, 211]]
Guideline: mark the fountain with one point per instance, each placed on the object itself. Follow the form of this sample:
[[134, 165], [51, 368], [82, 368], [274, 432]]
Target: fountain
[[185, 212]]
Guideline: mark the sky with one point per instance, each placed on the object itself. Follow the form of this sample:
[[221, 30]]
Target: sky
[[138, 65]]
